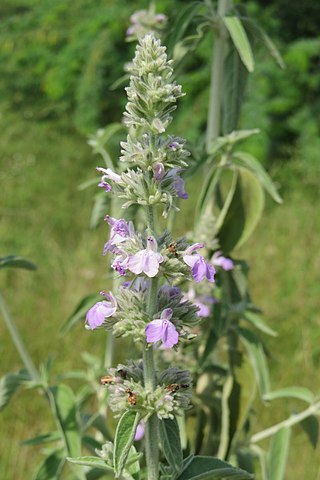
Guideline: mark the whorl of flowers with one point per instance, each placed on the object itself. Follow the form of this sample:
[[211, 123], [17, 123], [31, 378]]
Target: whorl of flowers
[[146, 21], [127, 392]]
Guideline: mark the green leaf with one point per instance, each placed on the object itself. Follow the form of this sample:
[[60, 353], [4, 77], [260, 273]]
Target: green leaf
[[63, 405], [240, 40], [250, 162], [207, 191], [262, 36], [257, 322], [79, 312], [94, 462], [234, 84], [212, 468], [300, 393], [14, 261], [184, 18], [244, 211], [45, 438], [51, 467], [124, 438], [257, 357], [101, 201], [310, 426], [9, 384], [170, 442], [230, 139], [278, 454]]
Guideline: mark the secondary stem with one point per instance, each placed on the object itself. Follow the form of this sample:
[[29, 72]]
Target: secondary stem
[[151, 428], [20, 346]]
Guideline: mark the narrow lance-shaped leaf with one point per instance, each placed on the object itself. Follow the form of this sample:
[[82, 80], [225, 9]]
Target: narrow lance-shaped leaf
[[240, 40], [9, 384], [124, 438], [257, 357], [14, 261], [257, 322], [94, 462], [40, 439], [300, 393], [250, 162], [170, 441], [51, 467], [212, 469], [278, 454], [79, 312], [63, 405]]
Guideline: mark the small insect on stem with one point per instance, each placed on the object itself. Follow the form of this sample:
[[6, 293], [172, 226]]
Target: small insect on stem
[[174, 387], [132, 397], [172, 248], [107, 380]]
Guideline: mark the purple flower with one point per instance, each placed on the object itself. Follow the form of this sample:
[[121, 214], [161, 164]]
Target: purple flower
[[200, 269], [177, 182], [108, 174], [220, 261], [140, 431], [162, 329], [146, 261], [101, 310], [119, 264], [158, 170], [203, 302], [169, 290], [120, 231]]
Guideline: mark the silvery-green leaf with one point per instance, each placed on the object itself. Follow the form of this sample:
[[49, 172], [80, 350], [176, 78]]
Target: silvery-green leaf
[[278, 454], [124, 438], [170, 442], [250, 162], [300, 393], [257, 321], [240, 40], [211, 468], [94, 462], [257, 357]]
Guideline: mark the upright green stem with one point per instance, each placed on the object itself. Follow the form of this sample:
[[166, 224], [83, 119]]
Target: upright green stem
[[20, 346], [151, 428], [217, 72]]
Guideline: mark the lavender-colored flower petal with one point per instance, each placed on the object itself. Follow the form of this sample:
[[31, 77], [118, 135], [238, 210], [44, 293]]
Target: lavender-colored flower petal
[[146, 261], [154, 331], [202, 269], [140, 431], [171, 336], [101, 310], [193, 248], [223, 262], [159, 171], [166, 314], [109, 174], [204, 310], [105, 185], [190, 260]]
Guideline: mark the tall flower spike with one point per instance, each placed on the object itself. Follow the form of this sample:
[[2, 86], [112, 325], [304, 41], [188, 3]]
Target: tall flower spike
[[151, 92]]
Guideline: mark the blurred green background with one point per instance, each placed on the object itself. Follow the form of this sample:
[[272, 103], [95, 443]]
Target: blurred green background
[[59, 60]]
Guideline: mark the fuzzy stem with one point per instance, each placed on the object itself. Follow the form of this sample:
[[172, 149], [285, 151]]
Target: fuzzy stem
[[217, 72], [151, 428], [289, 422], [20, 346]]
